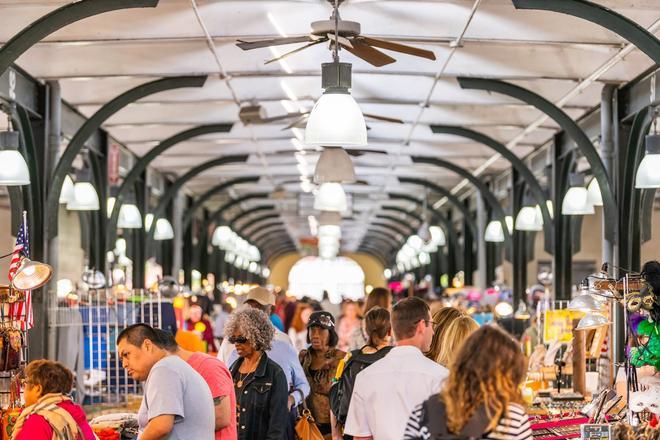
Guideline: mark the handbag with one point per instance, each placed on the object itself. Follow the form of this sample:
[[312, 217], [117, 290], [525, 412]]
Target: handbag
[[306, 428]]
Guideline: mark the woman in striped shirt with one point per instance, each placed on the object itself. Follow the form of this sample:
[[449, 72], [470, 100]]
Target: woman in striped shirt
[[481, 398]]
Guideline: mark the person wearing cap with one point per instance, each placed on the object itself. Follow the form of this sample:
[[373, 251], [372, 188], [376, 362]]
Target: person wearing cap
[[281, 352], [320, 363]]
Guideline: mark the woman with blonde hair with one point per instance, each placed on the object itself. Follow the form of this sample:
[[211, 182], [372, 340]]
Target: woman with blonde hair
[[481, 398], [454, 336], [440, 321]]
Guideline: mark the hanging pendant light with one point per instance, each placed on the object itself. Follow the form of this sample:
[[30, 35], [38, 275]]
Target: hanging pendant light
[[331, 197], [164, 230], [584, 303], [336, 119], [438, 237], [14, 171], [592, 320], [593, 193], [509, 223], [648, 172], [334, 165], [31, 275], [576, 200], [85, 197], [129, 216], [66, 195], [221, 237], [528, 220], [494, 232], [415, 242], [148, 221]]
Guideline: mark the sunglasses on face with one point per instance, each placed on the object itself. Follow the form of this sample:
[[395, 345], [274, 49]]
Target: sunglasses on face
[[237, 340]]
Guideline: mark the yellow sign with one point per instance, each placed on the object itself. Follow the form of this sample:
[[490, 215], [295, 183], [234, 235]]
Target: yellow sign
[[558, 325]]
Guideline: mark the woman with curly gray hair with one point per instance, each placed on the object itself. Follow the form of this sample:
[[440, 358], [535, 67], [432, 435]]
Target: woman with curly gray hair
[[260, 384]]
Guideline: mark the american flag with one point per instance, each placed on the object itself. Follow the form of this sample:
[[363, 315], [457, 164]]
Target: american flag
[[21, 311]]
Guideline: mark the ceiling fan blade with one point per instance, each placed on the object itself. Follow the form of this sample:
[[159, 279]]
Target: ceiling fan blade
[[398, 47], [282, 117], [369, 54], [249, 45], [298, 123], [383, 118], [313, 43]]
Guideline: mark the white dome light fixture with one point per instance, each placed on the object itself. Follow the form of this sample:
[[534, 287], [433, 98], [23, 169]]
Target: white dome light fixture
[[415, 242], [85, 197], [528, 220], [331, 197], [576, 200], [509, 223], [164, 230], [66, 195], [438, 237], [336, 119], [494, 232], [647, 173], [594, 195], [14, 170], [334, 165], [129, 217]]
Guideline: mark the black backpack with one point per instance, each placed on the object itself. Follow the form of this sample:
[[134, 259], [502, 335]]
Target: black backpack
[[434, 417], [342, 390]]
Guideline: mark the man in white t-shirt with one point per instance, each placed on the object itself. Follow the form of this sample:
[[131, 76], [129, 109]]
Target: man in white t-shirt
[[386, 392]]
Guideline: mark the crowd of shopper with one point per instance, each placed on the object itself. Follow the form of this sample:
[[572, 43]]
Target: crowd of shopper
[[360, 371]]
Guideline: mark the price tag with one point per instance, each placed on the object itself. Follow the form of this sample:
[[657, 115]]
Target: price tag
[[596, 432]]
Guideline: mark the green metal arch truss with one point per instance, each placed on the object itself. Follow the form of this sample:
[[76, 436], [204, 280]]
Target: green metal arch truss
[[190, 212], [607, 18], [59, 18], [178, 184], [532, 183], [142, 164], [93, 123], [572, 130], [482, 187]]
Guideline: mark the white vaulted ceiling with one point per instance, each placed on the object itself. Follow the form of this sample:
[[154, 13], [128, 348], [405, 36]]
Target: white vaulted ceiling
[[557, 56]]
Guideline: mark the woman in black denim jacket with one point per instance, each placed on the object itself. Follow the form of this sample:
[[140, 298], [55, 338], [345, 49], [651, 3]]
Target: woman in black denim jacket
[[260, 384]]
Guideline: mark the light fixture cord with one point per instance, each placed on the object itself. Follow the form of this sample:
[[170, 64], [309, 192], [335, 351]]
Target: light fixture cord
[[335, 52], [426, 194]]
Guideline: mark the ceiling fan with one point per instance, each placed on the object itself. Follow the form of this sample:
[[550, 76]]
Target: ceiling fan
[[256, 114], [348, 37]]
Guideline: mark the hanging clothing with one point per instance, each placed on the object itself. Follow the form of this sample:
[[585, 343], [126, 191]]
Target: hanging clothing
[[70, 346]]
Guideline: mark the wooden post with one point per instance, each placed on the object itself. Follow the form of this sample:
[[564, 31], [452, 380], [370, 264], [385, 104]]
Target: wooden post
[[579, 360]]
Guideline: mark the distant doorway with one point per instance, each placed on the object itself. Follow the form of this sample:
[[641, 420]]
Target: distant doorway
[[341, 277]]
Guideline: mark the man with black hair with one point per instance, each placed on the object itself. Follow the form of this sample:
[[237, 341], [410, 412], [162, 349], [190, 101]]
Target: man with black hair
[[177, 403], [217, 377], [386, 392]]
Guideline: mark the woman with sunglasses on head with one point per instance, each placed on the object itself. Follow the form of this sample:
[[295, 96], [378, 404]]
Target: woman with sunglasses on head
[[320, 362], [260, 384], [481, 398]]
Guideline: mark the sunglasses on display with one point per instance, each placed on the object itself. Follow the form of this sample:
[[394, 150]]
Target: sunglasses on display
[[237, 340]]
